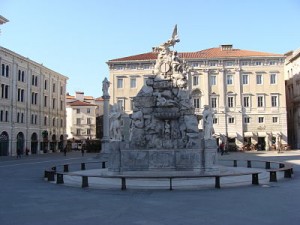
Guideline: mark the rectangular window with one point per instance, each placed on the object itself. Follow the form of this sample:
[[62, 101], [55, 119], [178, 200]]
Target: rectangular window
[[121, 103], [246, 101], [6, 116], [120, 83], [230, 101], [88, 120], [212, 63], [88, 131], [78, 121], [231, 120], [131, 104], [215, 120], [245, 78], [213, 80], [1, 115], [53, 103], [78, 132], [246, 119], [45, 84], [195, 80], [259, 79], [229, 79], [260, 101], [53, 88], [45, 101], [197, 103], [274, 101], [275, 119], [261, 119], [132, 82], [273, 79], [88, 110], [77, 111], [213, 102], [45, 121]]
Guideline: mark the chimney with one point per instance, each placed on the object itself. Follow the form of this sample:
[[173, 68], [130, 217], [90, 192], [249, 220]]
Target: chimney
[[226, 47], [79, 95]]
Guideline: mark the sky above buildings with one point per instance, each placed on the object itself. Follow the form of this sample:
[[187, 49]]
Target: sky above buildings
[[77, 38]]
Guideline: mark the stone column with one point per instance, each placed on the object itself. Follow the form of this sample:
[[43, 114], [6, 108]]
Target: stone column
[[105, 139]]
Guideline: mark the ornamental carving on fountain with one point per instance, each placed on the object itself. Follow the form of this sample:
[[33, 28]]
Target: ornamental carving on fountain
[[163, 115]]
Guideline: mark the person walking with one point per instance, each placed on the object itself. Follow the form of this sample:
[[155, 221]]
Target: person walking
[[18, 153], [65, 150], [222, 148]]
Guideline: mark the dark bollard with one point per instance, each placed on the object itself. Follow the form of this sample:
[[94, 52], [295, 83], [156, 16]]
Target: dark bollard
[[268, 165], [66, 168], [273, 176], [281, 165], [82, 166], [51, 175], [255, 179], [123, 184], [288, 173], [59, 178], [235, 163], [217, 182], [46, 174], [249, 164], [103, 165], [85, 181], [171, 187]]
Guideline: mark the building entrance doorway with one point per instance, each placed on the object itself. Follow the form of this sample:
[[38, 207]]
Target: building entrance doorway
[[34, 143], [261, 143], [4, 144]]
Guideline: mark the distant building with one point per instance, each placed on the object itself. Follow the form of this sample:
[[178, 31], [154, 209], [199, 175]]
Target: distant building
[[32, 109], [82, 112], [292, 71], [245, 88]]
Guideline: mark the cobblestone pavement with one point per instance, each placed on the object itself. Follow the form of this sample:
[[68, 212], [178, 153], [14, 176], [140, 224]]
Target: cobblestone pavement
[[27, 199]]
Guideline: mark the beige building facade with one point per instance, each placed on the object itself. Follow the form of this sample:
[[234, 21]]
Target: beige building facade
[[81, 116], [245, 88], [32, 106], [292, 72]]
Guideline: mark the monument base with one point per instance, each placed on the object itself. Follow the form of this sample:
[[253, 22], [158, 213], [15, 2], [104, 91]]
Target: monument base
[[124, 160]]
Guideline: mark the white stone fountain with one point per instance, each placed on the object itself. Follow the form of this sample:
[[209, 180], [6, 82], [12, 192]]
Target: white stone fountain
[[164, 134]]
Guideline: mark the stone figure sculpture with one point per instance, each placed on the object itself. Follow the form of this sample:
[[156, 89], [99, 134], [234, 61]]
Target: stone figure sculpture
[[105, 86], [208, 123], [115, 123]]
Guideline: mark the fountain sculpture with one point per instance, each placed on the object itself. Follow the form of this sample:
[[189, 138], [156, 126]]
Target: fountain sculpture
[[164, 133]]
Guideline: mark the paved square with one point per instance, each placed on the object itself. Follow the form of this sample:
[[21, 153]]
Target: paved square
[[27, 199]]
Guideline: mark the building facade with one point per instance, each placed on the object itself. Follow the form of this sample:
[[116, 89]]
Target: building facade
[[245, 88], [292, 72], [32, 108], [82, 112]]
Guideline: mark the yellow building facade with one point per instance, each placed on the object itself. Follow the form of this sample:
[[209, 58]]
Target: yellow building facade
[[246, 89]]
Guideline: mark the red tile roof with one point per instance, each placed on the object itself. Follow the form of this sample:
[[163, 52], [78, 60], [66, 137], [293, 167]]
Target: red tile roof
[[80, 103], [99, 99], [203, 54]]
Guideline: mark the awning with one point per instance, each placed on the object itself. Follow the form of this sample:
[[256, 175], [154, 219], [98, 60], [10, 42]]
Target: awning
[[216, 135], [232, 135], [248, 134], [275, 133], [261, 134]]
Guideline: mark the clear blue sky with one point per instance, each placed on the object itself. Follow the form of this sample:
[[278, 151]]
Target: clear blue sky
[[77, 37]]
